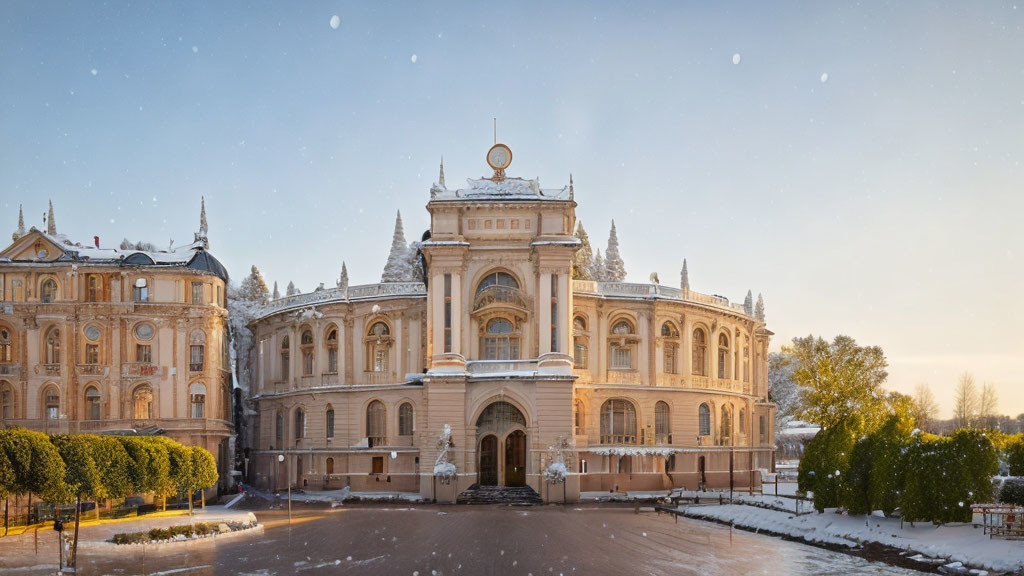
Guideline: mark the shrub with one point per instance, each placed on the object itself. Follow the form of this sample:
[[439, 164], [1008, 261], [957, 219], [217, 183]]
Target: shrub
[[1015, 456], [1012, 492]]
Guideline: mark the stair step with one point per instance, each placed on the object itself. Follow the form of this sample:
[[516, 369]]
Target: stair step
[[511, 495]]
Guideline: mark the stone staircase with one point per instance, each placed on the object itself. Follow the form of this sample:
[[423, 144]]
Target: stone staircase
[[508, 495]]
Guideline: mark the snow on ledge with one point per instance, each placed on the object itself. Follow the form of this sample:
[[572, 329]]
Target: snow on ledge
[[662, 451]]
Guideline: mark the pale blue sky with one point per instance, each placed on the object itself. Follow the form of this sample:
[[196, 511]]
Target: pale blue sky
[[883, 202]]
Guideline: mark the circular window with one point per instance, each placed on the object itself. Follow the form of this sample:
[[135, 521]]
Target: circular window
[[144, 332], [42, 253], [92, 333], [5, 335]]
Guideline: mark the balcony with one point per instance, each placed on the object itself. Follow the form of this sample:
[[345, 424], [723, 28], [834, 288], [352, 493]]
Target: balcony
[[92, 370], [138, 370], [484, 367], [9, 369], [48, 369], [196, 366], [618, 439], [504, 296], [624, 377], [371, 377], [377, 441], [665, 379]]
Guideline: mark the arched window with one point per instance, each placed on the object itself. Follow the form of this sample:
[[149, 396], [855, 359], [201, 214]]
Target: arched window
[[6, 400], [580, 341], [723, 356], [197, 398], [405, 421], [662, 424], [300, 424], [618, 422], [142, 402], [700, 350], [93, 288], [621, 344], [500, 341], [306, 345], [704, 420], [670, 345], [48, 291], [92, 403], [580, 419], [332, 351], [197, 351], [330, 421], [376, 424], [92, 344], [726, 432], [140, 292], [51, 403], [6, 347], [330, 466], [53, 346], [285, 357], [497, 279], [143, 348], [378, 347]]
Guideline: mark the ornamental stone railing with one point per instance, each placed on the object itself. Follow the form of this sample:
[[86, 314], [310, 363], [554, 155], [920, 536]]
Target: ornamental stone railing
[[652, 291], [480, 367], [350, 294], [500, 295], [138, 369], [9, 369]]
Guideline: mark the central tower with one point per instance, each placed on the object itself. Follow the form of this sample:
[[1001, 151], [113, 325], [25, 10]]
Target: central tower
[[499, 264]]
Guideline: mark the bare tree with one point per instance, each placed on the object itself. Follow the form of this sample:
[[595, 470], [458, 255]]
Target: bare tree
[[965, 410], [987, 405], [925, 407]]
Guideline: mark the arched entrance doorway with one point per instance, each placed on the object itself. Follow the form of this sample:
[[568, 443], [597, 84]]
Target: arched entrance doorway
[[501, 446]]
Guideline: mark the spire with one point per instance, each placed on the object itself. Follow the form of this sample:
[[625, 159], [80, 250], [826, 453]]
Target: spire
[[51, 224], [396, 268], [203, 228], [343, 279], [21, 225], [440, 177], [684, 278], [277, 293]]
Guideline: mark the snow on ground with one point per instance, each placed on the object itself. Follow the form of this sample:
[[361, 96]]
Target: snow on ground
[[957, 542]]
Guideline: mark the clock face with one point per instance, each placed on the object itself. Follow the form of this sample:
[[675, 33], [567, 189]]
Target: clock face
[[499, 157]]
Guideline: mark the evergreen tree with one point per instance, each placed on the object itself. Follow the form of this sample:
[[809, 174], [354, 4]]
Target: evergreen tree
[[290, 290], [759, 308], [599, 271], [684, 277], [615, 268], [253, 288], [748, 304], [277, 293], [398, 267], [583, 260]]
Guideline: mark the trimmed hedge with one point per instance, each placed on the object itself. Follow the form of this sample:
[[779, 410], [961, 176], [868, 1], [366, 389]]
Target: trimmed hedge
[[186, 530]]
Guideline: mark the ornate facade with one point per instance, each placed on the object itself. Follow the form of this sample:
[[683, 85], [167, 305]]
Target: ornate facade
[[651, 387], [115, 341]]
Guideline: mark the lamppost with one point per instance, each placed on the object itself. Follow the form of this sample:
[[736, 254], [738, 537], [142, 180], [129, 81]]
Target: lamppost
[[288, 481]]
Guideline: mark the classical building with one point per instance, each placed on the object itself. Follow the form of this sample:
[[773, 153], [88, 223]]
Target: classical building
[[127, 340], [646, 386]]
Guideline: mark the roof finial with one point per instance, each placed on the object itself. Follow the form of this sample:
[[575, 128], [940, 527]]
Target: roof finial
[[203, 228], [571, 192], [51, 224], [440, 178], [21, 225]]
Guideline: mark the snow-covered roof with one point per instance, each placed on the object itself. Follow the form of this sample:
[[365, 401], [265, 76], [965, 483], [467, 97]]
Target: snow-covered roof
[[517, 189]]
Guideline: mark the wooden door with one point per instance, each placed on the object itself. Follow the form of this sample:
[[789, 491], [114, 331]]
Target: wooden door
[[515, 459], [489, 461]]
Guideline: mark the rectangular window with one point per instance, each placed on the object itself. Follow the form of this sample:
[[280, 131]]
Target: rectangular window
[[92, 353], [527, 223], [197, 292], [219, 302], [515, 224], [196, 358], [199, 405], [554, 312], [330, 423], [621, 359], [760, 426], [472, 223], [487, 224], [144, 353], [501, 224], [378, 465], [93, 288], [670, 359], [447, 312], [332, 360], [52, 412], [580, 355], [380, 360]]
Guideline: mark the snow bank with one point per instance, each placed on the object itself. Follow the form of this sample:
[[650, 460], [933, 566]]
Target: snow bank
[[956, 542]]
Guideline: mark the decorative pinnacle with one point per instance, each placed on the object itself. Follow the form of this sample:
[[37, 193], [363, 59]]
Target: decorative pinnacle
[[440, 178], [571, 192], [203, 228], [51, 224]]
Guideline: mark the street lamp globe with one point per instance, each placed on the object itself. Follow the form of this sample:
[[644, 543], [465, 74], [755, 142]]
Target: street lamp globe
[[280, 457]]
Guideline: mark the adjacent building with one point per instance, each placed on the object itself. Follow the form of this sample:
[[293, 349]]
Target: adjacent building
[[126, 340], [646, 386]]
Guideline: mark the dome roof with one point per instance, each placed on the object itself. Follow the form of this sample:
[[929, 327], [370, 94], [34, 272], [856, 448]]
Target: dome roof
[[205, 262]]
